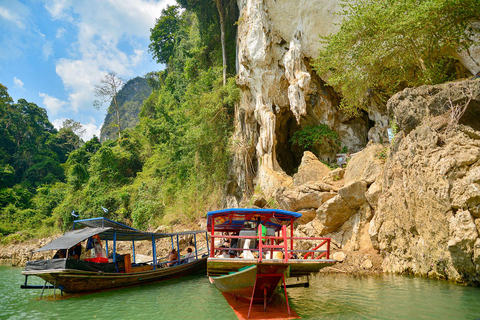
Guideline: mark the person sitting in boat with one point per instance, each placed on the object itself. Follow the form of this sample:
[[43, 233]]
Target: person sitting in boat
[[247, 254], [234, 242], [189, 257], [173, 256], [95, 245], [264, 229], [224, 252], [75, 251], [60, 254]]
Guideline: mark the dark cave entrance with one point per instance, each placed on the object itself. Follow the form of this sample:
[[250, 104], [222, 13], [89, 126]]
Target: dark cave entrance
[[289, 156]]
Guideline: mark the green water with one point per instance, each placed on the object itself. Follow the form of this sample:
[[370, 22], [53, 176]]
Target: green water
[[193, 297]]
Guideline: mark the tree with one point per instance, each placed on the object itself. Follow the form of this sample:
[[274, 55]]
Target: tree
[[221, 15], [384, 46], [74, 126], [107, 90], [67, 139], [162, 36]]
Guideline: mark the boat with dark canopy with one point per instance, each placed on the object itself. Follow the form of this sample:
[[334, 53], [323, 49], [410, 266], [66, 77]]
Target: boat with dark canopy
[[259, 251], [106, 269]]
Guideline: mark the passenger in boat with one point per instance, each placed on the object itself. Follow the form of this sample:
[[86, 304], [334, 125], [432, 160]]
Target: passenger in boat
[[232, 254], [264, 229], [75, 251], [247, 254], [189, 257], [95, 245], [223, 253], [173, 256], [60, 254]]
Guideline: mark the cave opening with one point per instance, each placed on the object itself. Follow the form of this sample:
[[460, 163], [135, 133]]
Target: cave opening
[[289, 156]]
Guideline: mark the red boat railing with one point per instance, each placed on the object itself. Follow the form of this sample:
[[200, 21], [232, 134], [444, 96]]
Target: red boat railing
[[267, 243]]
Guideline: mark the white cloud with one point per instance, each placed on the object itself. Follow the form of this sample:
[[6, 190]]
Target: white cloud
[[60, 33], [52, 104], [12, 17], [112, 36], [58, 123], [47, 49], [18, 83], [90, 128]]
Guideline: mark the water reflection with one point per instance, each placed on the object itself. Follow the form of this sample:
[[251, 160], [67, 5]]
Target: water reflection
[[384, 297], [333, 296]]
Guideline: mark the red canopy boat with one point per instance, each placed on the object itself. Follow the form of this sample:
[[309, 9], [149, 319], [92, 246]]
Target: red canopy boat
[[258, 252]]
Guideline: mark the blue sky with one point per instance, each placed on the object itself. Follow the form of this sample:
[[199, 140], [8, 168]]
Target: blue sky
[[52, 52]]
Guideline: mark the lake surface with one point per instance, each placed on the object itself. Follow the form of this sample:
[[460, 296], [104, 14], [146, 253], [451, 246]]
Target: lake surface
[[332, 296]]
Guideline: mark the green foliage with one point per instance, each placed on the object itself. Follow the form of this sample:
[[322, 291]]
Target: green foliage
[[383, 154], [169, 168], [385, 46], [316, 137], [163, 34]]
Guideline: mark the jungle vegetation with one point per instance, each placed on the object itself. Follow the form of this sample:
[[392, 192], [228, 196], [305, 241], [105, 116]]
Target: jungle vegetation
[[170, 168], [385, 46]]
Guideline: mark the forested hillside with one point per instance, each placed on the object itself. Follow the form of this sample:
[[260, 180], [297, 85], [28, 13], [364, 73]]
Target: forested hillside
[[130, 101], [171, 167]]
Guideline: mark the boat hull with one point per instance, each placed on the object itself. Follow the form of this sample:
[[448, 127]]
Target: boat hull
[[73, 281], [258, 282], [298, 267]]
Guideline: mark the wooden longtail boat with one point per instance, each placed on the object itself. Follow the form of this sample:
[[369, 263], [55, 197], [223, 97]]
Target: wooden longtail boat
[[261, 252], [100, 273]]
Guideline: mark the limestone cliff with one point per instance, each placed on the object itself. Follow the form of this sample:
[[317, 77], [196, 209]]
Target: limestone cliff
[[280, 93], [415, 201], [427, 218]]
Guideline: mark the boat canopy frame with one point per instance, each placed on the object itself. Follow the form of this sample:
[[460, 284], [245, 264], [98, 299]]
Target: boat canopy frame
[[109, 230], [232, 220]]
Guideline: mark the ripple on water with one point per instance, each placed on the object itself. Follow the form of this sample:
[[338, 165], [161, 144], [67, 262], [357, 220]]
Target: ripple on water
[[329, 296]]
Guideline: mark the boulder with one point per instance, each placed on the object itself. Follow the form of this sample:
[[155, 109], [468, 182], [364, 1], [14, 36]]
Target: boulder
[[309, 195], [373, 194], [311, 169], [336, 211], [307, 215], [354, 193], [339, 256], [365, 165], [367, 264]]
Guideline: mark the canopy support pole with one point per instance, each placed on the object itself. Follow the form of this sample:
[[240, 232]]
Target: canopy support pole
[[178, 252], [115, 249], [208, 247], [154, 252], [195, 242], [133, 249]]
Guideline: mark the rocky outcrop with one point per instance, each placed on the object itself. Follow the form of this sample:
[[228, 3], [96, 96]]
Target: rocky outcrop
[[413, 106], [419, 209], [427, 220], [281, 93]]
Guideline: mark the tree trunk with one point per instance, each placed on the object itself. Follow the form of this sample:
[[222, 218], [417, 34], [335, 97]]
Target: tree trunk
[[118, 114], [221, 14]]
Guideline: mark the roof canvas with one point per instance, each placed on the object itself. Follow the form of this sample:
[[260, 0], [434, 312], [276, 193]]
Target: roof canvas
[[107, 230], [71, 238]]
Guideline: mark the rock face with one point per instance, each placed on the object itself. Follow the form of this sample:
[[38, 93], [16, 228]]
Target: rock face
[[281, 93], [427, 221], [419, 209]]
